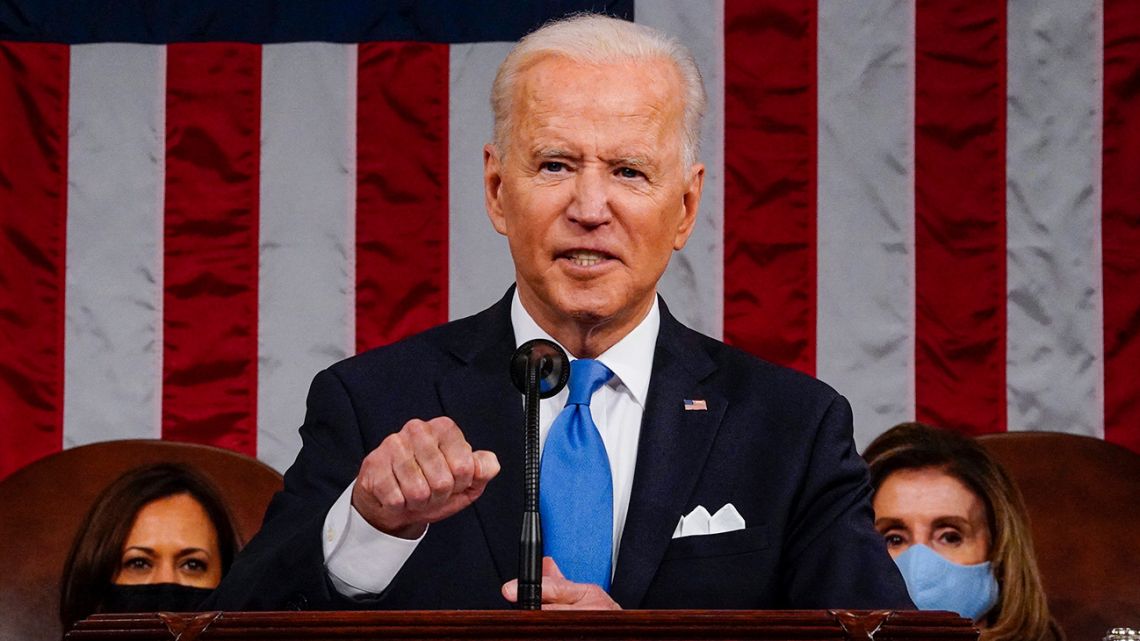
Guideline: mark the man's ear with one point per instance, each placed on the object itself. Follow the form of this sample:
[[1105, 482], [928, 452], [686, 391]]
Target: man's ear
[[493, 188], [690, 203]]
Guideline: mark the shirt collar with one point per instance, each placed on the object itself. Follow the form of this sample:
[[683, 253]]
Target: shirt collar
[[630, 359]]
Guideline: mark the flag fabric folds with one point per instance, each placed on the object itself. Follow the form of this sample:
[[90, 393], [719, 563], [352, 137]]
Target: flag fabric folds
[[932, 206]]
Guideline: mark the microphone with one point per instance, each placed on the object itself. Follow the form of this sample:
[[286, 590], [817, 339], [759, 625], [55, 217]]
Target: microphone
[[539, 369]]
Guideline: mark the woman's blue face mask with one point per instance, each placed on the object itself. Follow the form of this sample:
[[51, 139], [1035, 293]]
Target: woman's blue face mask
[[937, 584]]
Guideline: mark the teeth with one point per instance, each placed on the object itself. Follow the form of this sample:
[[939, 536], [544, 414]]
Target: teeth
[[584, 258]]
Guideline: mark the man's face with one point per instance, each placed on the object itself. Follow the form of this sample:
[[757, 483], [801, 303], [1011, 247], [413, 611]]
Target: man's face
[[592, 192]]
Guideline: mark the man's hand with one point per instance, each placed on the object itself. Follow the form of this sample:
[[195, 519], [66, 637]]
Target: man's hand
[[422, 474], [560, 593]]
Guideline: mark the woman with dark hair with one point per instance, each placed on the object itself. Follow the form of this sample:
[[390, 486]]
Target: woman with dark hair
[[159, 538], [957, 527]]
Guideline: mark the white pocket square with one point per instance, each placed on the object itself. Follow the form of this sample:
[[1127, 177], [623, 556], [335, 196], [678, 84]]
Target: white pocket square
[[698, 522]]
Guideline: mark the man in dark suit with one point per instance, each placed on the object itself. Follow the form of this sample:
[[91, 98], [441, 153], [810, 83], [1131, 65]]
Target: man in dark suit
[[407, 492]]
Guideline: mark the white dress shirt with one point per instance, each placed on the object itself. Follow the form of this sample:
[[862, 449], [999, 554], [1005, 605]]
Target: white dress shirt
[[361, 561]]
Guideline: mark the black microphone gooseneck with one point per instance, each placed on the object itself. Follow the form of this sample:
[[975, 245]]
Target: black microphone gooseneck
[[539, 369]]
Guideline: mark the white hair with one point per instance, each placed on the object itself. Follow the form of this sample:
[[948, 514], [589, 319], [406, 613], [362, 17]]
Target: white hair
[[596, 39]]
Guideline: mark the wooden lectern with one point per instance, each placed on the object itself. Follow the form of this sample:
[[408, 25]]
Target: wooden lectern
[[812, 625]]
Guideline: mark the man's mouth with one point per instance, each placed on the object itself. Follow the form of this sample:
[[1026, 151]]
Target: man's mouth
[[585, 257]]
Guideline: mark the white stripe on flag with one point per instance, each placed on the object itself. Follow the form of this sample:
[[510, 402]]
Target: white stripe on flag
[[693, 285], [865, 323], [479, 265], [116, 152], [306, 286], [1055, 354]]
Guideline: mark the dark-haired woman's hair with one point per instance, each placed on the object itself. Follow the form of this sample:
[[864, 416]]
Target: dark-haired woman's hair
[[98, 546], [1022, 612]]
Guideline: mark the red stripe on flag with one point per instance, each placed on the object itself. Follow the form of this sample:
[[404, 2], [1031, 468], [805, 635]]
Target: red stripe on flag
[[213, 124], [770, 179], [401, 191], [33, 238], [1121, 223], [960, 240]]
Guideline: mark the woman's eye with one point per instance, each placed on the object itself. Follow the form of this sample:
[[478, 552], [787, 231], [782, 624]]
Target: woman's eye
[[627, 172], [893, 540], [136, 563], [951, 537], [553, 167], [195, 565]]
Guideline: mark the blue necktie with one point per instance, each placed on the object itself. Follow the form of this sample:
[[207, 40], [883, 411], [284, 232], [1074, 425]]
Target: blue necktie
[[576, 490]]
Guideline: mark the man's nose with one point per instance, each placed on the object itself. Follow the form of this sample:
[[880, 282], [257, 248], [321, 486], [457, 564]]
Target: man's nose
[[590, 206]]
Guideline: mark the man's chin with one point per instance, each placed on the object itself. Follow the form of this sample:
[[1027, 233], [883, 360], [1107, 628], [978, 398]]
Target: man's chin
[[588, 317], [586, 305]]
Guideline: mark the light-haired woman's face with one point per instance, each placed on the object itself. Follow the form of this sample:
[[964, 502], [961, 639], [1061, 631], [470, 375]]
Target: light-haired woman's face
[[172, 541], [935, 509]]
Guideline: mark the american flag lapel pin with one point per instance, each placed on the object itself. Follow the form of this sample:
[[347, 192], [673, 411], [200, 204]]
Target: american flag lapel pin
[[695, 404]]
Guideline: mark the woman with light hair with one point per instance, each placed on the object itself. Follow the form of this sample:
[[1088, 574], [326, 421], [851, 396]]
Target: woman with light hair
[[957, 527]]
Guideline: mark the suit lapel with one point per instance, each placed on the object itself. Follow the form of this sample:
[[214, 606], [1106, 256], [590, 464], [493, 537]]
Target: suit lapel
[[671, 454], [672, 449], [481, 399]]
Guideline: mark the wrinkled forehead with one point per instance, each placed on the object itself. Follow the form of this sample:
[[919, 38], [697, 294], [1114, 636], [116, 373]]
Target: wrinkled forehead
[[632, 90], [930, 492]]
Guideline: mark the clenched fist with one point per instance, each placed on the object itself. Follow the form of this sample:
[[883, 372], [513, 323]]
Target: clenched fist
[[422, 474]]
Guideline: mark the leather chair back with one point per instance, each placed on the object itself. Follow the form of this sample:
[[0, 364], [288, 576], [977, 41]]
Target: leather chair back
[[43, 503], [1083, 498]]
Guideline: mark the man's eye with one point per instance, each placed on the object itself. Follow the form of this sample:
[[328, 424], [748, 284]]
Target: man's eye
[[553, 167], [628, 172]]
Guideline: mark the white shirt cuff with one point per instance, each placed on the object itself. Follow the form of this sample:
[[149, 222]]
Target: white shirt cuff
[[360, 560]]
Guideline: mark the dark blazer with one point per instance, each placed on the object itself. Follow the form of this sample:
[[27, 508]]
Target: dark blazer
[[775, 443]]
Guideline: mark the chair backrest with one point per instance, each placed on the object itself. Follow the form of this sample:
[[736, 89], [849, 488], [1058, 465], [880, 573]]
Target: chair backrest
[[42, 506], [1083, 498]]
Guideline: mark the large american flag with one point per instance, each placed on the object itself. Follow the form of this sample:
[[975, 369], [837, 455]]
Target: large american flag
[[934, 205]]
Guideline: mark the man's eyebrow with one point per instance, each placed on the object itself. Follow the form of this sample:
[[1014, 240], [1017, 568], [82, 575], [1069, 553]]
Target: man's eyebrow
[[553, 152], [631, 161]]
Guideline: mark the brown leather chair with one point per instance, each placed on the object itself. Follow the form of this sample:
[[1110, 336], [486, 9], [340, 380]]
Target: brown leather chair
[[42, 506], [1083, 498]]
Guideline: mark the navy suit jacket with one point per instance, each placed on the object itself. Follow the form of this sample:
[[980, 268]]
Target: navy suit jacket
[[775, 443]]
